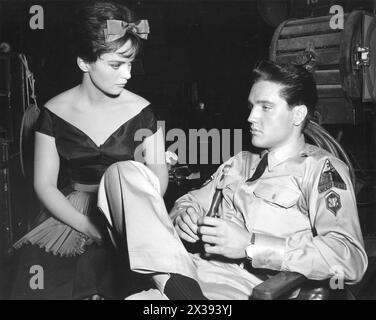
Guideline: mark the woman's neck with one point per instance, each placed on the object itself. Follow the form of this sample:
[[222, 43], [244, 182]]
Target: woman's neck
[[93, 96]]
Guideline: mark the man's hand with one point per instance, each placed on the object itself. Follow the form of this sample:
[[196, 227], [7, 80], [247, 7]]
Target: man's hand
[[223, 237], [186, 225]]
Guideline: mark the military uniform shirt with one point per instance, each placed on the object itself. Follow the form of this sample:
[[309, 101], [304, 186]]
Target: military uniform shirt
[[304, 188]]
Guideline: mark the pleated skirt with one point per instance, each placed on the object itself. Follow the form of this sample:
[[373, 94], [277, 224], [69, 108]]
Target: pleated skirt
[[54, 261]]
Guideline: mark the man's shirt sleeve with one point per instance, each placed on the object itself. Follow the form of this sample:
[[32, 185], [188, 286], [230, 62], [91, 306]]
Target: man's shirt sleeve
[[338, 248]]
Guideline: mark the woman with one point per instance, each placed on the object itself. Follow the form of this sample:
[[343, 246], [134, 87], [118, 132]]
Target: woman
[[86, 129]]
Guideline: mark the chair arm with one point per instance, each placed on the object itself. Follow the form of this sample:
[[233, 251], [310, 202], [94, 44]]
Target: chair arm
[[278, 285]]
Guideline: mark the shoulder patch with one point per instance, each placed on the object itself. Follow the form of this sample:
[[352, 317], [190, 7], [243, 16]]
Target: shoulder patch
[[333, 202], [330, 178]]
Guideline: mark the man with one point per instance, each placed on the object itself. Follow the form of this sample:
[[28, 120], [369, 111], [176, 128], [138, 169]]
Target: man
[[292, 208]]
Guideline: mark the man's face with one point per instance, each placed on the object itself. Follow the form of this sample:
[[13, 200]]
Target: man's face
[[271, 118]]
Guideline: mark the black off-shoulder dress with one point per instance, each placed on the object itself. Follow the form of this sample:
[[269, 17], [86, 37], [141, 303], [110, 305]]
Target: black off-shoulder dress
[[71, 268]]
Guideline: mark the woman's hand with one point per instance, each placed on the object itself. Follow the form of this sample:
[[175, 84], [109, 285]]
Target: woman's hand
[[91, 231], [223, 237], [46, 170]]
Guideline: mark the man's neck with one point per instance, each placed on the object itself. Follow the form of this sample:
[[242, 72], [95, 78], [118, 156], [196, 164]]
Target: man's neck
[[289, 149]]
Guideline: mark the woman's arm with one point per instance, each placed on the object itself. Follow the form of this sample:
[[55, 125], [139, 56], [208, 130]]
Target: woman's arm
[[46, 170], [155, 159]]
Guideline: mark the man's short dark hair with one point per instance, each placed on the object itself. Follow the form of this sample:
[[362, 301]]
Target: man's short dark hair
[[299, 84]]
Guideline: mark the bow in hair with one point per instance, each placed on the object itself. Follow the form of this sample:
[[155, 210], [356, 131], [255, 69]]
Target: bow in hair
[[117, 29]]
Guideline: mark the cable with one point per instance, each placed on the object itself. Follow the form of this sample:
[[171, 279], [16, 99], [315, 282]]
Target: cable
[[31, 112]]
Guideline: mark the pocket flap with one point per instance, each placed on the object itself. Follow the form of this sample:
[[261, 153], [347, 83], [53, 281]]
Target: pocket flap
[[280, 195]]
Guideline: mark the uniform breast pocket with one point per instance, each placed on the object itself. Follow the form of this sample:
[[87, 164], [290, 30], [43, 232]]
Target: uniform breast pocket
[[276, 210], [276, 195]]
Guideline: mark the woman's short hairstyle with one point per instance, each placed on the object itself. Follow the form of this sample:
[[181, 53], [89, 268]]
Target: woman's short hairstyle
[[90, 22], [299, 86]]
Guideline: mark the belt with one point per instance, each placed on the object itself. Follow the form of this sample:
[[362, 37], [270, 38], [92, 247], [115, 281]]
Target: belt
[[85, 187]]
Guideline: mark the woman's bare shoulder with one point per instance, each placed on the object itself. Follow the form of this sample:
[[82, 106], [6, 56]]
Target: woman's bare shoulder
[[60, 102], [130, 99]]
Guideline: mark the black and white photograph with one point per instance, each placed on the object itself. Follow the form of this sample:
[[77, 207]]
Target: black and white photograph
[[188, 150]]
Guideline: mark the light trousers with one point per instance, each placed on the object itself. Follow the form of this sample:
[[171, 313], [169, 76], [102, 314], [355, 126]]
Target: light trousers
[[129, 196]]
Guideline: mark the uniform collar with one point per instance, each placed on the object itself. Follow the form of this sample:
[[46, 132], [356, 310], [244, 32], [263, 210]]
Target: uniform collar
[[275, 157]]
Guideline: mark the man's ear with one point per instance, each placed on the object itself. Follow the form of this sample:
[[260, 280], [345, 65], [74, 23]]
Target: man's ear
[[83, 65], [300, 113]]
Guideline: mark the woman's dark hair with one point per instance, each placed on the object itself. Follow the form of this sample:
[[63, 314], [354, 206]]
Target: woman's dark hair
[[90, 22], [299, 84]]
